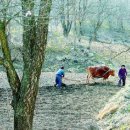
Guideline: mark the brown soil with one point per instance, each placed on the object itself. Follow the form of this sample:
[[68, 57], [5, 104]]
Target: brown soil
[[72, 108]]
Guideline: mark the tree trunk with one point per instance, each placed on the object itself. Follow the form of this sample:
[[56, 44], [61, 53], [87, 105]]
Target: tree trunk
[[66, 25], [95, 36], [34, 45], [23, 117], [24, 107], [98, 25]]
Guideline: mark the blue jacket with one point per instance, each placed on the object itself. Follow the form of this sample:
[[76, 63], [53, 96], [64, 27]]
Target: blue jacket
[[60, 72]]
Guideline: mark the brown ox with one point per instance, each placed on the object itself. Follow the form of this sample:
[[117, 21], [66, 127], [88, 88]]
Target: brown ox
[[99, 72]]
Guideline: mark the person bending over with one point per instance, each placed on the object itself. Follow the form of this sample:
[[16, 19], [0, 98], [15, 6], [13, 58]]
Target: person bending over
[[59, 75]]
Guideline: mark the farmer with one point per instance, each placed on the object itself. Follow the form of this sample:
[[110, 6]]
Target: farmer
[[59, 75], [122, 75]]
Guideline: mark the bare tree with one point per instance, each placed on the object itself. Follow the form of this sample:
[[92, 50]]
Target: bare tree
[[35, 30], [66, 21], [101, 12], [82, 11]]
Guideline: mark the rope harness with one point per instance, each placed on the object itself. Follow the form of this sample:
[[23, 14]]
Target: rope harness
[[73, 80], [103, 73]]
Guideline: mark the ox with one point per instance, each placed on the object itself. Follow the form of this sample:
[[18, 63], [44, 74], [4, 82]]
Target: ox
[[99, 72]]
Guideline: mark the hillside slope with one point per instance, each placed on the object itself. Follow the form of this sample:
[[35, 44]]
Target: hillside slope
[[119, 119]]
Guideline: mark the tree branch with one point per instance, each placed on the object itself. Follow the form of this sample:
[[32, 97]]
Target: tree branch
[[120, 53], [12, 17], [12, 75], [1, 61]]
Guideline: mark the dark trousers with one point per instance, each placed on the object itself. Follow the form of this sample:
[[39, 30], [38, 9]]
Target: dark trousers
[[122, 81]]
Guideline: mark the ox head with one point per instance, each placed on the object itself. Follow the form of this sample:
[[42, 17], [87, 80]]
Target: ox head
[[112, 72]]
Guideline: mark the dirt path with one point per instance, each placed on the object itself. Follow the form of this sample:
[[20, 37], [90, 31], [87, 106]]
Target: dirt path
[[72, 108]]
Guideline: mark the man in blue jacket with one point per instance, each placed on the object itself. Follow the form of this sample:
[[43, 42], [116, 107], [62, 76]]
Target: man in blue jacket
[[122, 75], [59, 75]]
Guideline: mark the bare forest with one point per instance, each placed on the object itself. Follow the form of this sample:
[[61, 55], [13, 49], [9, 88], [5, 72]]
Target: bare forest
[[62, 64]]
